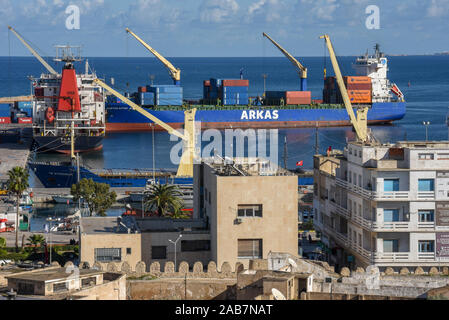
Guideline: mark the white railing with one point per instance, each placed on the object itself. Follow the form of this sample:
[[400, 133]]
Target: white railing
[[383, 195], [340, 210], [426, 225], [426, 195], [391, 195], [426, 256], [391, 256], [397, 225]]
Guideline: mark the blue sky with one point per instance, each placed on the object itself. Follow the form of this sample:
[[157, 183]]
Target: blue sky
[[226, 28]]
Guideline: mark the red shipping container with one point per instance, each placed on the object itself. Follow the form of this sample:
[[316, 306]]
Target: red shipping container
[[25, 120], [206, 83], [292, 101], [359, 86], [5, 120], [142, 89], [235, 83], [317, 101], [298, 94]]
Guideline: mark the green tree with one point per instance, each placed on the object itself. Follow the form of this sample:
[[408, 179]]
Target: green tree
[[3, 251], [165, 199], [96, 195], [36, 240], [17, 184]]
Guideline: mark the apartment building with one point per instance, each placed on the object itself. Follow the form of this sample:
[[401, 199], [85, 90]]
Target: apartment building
[[385, 205]]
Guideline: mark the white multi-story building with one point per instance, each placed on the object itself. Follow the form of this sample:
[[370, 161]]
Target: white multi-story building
[[385, 205]]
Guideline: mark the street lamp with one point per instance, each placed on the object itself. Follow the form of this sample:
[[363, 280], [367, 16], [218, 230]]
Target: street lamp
[[175, 242], [426, 124]]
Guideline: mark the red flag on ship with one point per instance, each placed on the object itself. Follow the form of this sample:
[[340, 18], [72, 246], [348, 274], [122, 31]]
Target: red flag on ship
[[299, 163]]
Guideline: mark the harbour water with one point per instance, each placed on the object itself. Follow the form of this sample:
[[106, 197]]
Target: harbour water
[[424, 81]]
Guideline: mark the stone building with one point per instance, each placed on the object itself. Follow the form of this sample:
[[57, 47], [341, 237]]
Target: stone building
[[384, 204], [250, 205]]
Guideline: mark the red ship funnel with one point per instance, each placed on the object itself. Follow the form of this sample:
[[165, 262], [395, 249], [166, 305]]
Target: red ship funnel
[[69, 99]]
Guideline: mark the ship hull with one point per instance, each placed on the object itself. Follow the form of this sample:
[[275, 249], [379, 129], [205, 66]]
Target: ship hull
[[65, 175], [60, 145], [121, 118]]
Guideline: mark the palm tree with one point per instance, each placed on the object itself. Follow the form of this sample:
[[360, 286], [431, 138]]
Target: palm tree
[[165, 198], [17, 184], [36, 240]]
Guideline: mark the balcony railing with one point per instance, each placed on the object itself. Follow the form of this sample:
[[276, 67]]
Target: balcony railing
[[380, 257], [426, 256], [384, 195]]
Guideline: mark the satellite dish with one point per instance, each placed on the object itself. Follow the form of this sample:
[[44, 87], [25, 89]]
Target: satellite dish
[[292, 263], [277, 294]]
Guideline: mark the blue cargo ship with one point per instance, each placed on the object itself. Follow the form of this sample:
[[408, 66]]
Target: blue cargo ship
[[122, 118], [226, 103]]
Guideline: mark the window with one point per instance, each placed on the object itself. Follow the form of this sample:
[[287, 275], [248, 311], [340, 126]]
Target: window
[[425, 246], [108, 254], [86, 282], [355, 178], [426, 185], [360, 180], [391, 245], [128, 250], [360, 239], [426, 215], [57, 287], [250, 210], [249, 248], [391, 185], [391, 215], [195, 245], [350, 177], [158, 252], [425, 156]]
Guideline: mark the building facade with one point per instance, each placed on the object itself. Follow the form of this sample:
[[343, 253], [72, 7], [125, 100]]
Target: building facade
[[251, 208], [384, 205]]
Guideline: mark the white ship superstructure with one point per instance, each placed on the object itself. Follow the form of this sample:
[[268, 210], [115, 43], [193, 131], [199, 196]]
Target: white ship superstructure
[[67, 101], [376, 67]]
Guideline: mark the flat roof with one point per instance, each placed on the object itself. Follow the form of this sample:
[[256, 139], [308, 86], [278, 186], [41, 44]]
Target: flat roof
[[52, 274], [105, 225]]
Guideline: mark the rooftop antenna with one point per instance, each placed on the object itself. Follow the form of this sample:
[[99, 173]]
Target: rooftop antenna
[[277, 294], [285, 156]]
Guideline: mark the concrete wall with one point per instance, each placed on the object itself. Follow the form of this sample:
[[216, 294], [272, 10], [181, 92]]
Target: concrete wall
[[89, 242], [278, 226], [180, 289], [114, 289], [161, 239]]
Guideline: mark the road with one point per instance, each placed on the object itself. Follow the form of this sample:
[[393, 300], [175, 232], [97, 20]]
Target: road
[[55, 238]]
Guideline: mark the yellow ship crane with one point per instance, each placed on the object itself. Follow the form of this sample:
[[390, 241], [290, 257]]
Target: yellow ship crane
[[189, 151], [175, 73], [38, 57], [302, 71], [359, 122]]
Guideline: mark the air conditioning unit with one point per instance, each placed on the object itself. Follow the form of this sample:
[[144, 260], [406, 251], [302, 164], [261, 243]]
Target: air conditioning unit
[[238, 221]]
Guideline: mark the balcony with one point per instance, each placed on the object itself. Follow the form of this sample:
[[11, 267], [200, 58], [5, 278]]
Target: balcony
[[385, 195], [382, 257]]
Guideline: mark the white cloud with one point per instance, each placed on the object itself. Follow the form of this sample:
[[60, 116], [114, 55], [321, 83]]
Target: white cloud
[[322, 9], [216, 11], [438, 8]]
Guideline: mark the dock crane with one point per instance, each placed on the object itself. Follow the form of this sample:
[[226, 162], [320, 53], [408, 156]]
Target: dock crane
[[175, 73], [359, 122], [38, 57], [302, 71], [190, 152]]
